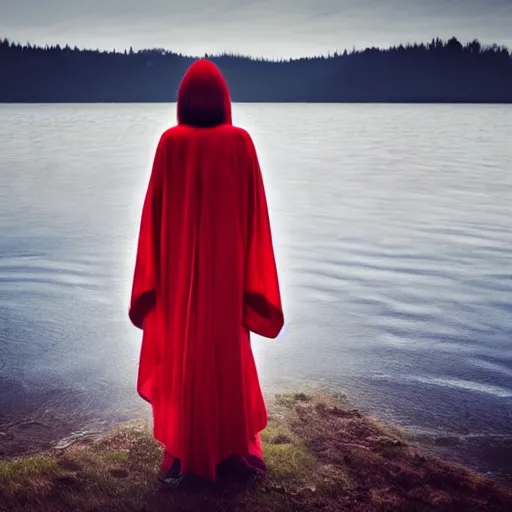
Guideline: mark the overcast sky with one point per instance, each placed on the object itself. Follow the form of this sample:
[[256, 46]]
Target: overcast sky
[[272, 28]]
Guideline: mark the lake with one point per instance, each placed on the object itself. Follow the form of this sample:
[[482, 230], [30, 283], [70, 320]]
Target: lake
[[392, 228]]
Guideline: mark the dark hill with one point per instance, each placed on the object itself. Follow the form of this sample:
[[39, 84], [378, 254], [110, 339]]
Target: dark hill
[[440, 71]]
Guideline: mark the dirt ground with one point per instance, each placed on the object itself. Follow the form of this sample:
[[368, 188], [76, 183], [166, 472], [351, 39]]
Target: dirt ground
[[321, 455]]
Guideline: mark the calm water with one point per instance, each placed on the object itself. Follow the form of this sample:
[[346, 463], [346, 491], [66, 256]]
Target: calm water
[[393, 232]]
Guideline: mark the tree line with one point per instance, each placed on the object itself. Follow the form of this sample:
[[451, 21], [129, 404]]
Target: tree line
[[438, 71]]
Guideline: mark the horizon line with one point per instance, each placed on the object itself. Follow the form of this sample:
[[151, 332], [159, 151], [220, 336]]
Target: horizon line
[[329, 54]]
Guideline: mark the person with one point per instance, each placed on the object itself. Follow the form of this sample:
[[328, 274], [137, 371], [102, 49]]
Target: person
[[205, 277]]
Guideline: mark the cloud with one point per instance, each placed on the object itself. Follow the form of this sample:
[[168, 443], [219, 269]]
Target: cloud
[[257, 27]]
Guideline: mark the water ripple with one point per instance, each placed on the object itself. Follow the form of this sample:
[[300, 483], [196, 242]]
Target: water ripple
[[393, 251], [14, 274]]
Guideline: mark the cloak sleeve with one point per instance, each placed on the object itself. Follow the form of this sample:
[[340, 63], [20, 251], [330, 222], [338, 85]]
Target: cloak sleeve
[[263, 313], [145, 278]]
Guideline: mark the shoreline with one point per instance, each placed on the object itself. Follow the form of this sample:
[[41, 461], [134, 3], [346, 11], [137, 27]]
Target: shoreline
[[320, 452], [45, 430], [270, 102]]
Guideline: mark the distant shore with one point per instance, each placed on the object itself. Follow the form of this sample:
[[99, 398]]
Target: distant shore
[[434, 72], [433, 102], [321, 454]]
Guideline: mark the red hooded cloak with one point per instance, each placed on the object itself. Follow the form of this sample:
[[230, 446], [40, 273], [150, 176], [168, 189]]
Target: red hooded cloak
[[205, 276]]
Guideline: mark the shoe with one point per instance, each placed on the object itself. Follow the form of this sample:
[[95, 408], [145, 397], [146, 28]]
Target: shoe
[[257, 463], [169, 469], [239, 467]]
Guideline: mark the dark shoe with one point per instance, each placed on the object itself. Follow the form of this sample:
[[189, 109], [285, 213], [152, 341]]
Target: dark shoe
[[257, 463], [238, 467], [169, 469]]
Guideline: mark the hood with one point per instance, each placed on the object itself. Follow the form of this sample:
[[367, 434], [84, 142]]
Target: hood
[[203, 96]]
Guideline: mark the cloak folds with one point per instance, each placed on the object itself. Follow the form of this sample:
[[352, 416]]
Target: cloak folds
[[205, 276]]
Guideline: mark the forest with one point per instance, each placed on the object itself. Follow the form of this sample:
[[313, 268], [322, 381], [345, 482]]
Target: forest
[[439, 71]]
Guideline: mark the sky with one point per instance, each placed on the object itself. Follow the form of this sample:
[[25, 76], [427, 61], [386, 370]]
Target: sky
[[269, 28]]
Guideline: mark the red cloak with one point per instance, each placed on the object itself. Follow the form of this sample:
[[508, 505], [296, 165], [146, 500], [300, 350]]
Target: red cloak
[[205, 276]]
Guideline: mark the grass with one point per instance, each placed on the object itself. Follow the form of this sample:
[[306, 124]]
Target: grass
[[321, 455]]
